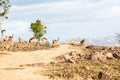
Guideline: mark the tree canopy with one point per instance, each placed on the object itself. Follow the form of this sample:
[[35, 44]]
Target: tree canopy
[[2, 32], [4, 7], [38, 29]]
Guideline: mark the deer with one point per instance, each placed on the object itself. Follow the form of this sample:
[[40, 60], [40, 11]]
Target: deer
[[83, 43], [55, 41], [44, 40], [9, 38], [20, 40], [8, 42], [32, 39]]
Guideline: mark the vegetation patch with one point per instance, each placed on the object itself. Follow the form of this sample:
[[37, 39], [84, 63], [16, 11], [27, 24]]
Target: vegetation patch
[[84, 69]]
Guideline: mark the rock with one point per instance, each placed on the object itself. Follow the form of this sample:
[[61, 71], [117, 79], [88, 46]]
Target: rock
[[89, 79], [109, 55], [116, 55], [104, 76], [67, 57], [98, 55], [72, 56]]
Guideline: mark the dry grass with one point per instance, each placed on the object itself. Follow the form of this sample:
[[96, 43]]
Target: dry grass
[[27, 47], [35, 65], [84, 69]]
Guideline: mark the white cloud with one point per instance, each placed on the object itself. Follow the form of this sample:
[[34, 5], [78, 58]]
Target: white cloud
[[20, 26], [18, 29], [116, 11], [52, 8], [78, 10], [108, 12], [64, 14]]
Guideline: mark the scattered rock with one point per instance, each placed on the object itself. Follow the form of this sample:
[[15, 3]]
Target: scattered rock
[[52, 63], [103, 76], [116, 55], [89, 79], [109, 55], [72, 56], [98, 55]]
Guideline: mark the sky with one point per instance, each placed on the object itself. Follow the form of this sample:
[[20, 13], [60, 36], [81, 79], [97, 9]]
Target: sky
[[65, 19]]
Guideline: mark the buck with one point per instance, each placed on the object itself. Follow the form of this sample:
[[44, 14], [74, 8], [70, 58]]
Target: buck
[[20, 40], [32, 40], [44, 40], [8, 42], [9, 38], [55, 41], [83, 43]]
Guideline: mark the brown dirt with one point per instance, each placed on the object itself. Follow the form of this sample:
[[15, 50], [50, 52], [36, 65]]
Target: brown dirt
[[12, 64]]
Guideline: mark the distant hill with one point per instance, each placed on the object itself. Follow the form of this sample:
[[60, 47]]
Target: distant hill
[[104, 41]]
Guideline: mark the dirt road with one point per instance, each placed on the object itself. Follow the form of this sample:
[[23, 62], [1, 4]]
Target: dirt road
[[10, 62]]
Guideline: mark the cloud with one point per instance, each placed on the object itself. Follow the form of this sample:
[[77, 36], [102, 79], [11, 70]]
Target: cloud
[[116, 11], [62, 16], [18, 29], [29, 2], [66, 11]]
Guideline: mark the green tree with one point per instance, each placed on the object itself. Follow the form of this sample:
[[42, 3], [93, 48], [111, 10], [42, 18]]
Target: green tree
[[38, 29], [2, 32], [4, 8]]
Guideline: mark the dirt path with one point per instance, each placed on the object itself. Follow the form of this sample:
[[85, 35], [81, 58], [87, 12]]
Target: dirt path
[[10, 63]]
